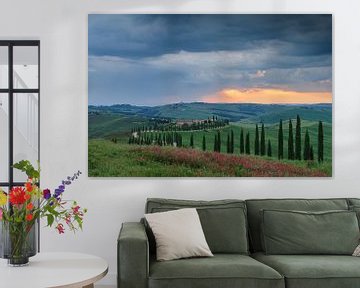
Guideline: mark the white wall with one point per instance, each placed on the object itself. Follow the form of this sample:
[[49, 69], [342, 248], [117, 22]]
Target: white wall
[[61, 25]]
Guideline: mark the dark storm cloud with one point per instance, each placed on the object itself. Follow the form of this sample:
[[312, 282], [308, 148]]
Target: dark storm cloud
[[153, 59], [153, 35]]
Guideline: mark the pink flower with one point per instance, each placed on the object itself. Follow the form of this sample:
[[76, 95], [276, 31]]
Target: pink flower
[[1, 214], [76, 210], [68, 219], [60, 228]]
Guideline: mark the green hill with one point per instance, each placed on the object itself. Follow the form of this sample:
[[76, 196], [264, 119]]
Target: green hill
[[268, 113]]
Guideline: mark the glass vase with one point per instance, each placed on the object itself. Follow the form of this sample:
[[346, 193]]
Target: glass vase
[[18, 242]]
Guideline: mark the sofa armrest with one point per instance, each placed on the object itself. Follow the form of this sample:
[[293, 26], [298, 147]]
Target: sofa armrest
[[133, 256]]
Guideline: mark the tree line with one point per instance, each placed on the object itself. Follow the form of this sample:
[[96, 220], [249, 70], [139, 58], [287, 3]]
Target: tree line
[[161, 139], [169, 126], [295, 149]]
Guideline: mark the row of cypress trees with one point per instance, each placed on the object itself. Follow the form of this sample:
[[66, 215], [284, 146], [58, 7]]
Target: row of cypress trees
[[166, 125], [261, 147], [161, 139], [244, 143], [295, 151]]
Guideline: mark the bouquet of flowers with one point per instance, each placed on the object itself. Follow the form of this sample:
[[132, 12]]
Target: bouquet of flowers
[[23, 206]]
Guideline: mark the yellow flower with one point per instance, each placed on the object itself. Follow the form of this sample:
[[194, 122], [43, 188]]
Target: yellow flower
[[3, 198]]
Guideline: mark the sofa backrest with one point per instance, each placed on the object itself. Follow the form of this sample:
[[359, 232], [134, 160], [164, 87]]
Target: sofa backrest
[[224, 222], [255, 206], [353, 202]]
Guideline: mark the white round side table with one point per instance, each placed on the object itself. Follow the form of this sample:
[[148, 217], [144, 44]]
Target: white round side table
[[54, 270]]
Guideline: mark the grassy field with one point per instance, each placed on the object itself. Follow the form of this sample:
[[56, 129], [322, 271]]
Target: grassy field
[[120, 159], [108, 159]]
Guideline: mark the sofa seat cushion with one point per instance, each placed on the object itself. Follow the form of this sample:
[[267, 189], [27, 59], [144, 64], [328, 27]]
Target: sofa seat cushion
[[314, 271], [312, 233], [222, 270]]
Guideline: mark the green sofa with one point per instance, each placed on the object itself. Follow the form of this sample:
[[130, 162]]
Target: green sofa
[[233, 231]]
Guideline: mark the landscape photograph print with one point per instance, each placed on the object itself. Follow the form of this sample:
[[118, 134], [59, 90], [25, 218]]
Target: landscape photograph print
[[210, 95]]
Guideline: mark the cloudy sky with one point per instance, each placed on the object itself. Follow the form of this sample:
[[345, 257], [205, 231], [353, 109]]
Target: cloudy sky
[[160, 59]]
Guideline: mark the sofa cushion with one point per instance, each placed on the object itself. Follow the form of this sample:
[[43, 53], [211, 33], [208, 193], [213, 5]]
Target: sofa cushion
[[222, 270], [356, 209], [353, 201], [297, 232], [314, 271], [255, 206], [223, 221]]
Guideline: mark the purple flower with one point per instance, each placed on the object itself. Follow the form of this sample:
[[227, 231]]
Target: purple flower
[[58, 192], [46, 194], [64, 183]]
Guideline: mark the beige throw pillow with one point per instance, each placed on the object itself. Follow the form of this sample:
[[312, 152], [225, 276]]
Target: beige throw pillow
[[178, 234], [357, 251]]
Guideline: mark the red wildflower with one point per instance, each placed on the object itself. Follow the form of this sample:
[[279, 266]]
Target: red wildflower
[[219, 164], [29, 217], [27, 196], [60, 228], [29, 186], [17, 196], [29, 206]]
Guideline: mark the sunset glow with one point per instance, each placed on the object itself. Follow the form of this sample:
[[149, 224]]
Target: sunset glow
[[268, 96]]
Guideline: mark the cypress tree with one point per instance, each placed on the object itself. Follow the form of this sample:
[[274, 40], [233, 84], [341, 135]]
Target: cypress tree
[[242, 146], [215, 143], [178, 140], [291, 155], [219, 141], [204, 143], [232, 141], [280, 142], [257, 140], [298, 138], [311, 153], [307, 146], [247, 144], [262, 141], [320, 142], [228, 144], [269, 152], [192, 140]]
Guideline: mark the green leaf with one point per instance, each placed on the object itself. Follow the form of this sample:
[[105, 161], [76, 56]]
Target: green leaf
[[50, 219], [26, 167]]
